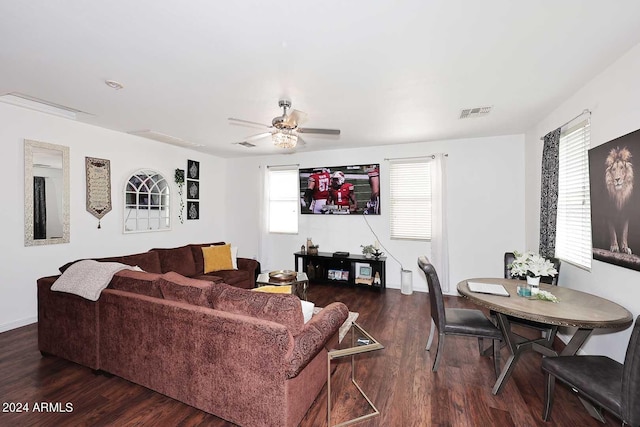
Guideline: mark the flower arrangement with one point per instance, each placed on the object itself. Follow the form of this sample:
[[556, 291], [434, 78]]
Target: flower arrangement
[[531, 264]]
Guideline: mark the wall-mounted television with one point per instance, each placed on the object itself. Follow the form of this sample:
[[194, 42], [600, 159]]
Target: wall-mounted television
[[340, 190]]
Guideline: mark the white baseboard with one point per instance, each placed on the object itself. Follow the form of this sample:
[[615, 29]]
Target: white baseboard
[[17, 324]]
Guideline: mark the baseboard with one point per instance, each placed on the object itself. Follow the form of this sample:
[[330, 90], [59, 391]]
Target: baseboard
[[17, 324]]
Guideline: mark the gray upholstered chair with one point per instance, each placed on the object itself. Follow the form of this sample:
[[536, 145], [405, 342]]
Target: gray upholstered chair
[[456, 321], [604, 381]]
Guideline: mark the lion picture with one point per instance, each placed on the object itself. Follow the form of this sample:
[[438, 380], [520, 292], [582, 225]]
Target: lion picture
[[619, 179], [615, 207]]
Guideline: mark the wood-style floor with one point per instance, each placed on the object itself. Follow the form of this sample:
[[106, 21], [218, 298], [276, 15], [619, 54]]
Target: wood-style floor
[[398, 379]]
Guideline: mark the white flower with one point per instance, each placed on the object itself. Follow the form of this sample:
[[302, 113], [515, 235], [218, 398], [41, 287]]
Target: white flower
[[531, 264], [546, 296]]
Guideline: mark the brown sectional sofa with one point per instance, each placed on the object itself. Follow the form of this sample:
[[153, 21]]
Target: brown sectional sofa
[[247, 357], [189, 262]]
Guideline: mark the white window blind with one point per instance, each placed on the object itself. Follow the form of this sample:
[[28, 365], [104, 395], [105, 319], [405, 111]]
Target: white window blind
[[283, 200], [410, 199], [573, 226]]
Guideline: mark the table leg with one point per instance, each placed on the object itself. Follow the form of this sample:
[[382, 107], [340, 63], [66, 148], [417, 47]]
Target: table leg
[[516, 348]]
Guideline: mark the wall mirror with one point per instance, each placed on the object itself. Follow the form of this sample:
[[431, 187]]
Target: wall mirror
[[146, 202], [46, 193]]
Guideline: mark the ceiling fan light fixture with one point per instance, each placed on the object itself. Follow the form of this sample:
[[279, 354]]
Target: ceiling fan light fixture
[[285, 138]]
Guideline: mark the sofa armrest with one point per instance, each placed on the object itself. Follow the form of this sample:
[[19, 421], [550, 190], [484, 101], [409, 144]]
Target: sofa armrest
[[250, 265], [316, 333]]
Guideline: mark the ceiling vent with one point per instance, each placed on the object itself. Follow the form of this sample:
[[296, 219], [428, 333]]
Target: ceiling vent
[[475, 112], [246, 144], [26, 101], [167, 139]]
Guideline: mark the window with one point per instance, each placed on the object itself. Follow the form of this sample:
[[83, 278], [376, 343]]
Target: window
[[573, 224], [146, 202], [410, 190], [283, 200]]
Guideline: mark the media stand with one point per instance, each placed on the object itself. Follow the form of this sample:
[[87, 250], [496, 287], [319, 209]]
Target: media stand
[[354, 270]]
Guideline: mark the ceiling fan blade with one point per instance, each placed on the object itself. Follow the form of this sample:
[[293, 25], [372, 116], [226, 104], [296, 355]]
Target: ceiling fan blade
[[295, 118], [246, 122], [320, 131], [258, 136], [301, 142]]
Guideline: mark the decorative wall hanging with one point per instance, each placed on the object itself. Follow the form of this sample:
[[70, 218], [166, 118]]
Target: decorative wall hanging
[[193, 169], [193, 210], [98, 175], [193, 189], [615, 207], [179, 179]]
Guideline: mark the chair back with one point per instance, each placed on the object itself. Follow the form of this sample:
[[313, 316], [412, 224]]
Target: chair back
[[631, 379], [436, 300], [509, 257]]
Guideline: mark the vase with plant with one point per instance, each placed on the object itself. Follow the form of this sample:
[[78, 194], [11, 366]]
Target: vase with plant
[[532, 266], [179, 179], [368, 250]]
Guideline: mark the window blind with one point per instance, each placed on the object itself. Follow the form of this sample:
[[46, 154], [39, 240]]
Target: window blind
[[410, 199], [284, 200], [573, 226]]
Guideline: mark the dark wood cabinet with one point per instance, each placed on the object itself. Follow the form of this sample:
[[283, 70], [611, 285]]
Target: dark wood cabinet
[[353, 270]]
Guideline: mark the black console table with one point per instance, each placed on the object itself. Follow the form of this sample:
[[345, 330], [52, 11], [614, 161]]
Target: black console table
[[324, 268]]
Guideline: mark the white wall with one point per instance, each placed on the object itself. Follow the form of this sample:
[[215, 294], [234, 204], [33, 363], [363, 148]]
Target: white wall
[[21, 266], [613, 99], [485, 203]]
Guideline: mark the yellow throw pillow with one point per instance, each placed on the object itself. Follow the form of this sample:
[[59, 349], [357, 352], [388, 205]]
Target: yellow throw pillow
[[217, 258]]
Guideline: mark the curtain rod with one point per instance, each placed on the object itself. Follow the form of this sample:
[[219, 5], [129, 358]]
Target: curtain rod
[[585, 111], [432, 156], [282, 166]]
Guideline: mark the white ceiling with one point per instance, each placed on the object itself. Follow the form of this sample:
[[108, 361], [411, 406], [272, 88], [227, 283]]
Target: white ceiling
[[384, 72]]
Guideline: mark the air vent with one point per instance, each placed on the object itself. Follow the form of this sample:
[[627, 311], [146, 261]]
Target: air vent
[[246, 144], [161, 137], [475, 112], [26, 101]]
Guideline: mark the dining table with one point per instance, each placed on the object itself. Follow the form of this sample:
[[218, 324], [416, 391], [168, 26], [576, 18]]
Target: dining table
[[574, 309]]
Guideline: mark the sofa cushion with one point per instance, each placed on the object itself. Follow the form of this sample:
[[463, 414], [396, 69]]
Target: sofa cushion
[[138, 282], [196, 251], [176, 287], [217, 258], [237, 278], [179, 260], [148, 261], [283, 309]]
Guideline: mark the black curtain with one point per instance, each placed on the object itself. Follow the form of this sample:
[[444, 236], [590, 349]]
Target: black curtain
[[549, 194], [39, 208]]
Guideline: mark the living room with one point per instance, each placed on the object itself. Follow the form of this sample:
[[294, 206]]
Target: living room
[[493, 193]]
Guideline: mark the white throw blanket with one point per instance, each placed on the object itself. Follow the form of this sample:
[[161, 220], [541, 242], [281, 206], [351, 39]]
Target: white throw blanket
[[88, 278]]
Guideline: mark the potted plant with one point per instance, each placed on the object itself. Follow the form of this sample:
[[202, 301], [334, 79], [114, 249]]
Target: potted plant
[[532, 266], [368, 250]]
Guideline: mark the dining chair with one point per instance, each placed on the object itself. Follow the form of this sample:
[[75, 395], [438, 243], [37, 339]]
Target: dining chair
[[611, 385], [548, 330], [456, 321]]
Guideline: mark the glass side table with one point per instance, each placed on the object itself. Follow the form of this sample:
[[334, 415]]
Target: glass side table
[[356, 341], [299, 286]]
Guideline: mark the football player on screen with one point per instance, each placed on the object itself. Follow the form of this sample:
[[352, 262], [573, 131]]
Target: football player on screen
[[373, 205], [341, 195], [317, 192]]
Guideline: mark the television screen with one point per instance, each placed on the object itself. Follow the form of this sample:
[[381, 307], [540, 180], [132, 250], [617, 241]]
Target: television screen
[[340, 190]]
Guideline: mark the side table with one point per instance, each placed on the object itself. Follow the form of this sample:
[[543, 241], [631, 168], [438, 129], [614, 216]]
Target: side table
[[299, 286], [356, 342]]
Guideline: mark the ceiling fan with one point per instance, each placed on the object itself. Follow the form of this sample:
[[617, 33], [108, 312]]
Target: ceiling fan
[[284, 130]]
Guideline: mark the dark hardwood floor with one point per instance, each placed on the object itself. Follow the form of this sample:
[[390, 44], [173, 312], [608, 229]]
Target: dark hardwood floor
[[398, 379]]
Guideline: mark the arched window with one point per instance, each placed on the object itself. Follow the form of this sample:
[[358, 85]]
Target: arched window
[[146, 202]]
